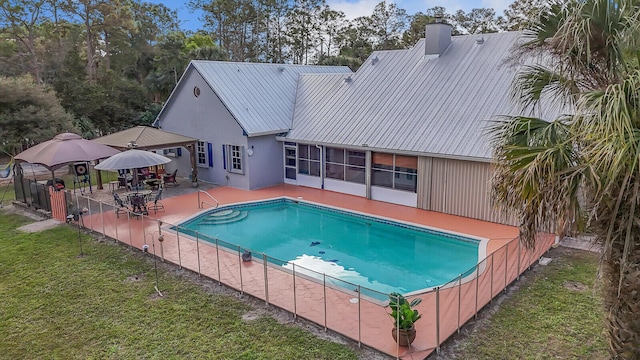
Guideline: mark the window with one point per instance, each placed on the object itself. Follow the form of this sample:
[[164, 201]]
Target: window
[[233, 158], [290, 160], [201, 153], [347, 165], [308, 160], [174, 152], [394, 171], [236, 158]]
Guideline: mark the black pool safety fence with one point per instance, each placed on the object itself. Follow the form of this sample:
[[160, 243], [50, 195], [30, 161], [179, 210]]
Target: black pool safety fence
[[349, 309]]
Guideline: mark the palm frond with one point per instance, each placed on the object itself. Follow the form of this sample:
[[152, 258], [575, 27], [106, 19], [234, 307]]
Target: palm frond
[[537, 175]]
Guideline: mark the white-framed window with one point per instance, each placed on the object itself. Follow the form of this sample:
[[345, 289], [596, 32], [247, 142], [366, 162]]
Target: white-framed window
[[290, 160], [344, 164], [202, 154], [394, 171], [308, 160], [234, 158]]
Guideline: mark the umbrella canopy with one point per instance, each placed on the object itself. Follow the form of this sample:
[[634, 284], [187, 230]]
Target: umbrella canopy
[[64, 149], [132, 159]]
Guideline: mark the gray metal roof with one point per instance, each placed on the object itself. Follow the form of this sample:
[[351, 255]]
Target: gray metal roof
[[260, 96], [406, 101]]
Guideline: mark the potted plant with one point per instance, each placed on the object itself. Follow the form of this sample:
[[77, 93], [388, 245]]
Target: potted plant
[[404, 317], [194, 181]]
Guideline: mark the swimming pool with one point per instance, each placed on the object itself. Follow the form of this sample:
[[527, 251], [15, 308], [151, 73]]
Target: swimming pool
[[377, 254]]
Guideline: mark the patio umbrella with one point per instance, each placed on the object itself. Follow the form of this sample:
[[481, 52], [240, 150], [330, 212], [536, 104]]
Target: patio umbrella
[[64, 149], [132, 159]]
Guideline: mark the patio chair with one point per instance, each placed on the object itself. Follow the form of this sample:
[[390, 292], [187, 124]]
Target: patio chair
[[138, 205], [122, 182], [156, 205], [170, 178], [119, 204]]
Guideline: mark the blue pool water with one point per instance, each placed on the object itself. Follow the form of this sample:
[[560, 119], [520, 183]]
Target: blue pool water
[[377, 254]]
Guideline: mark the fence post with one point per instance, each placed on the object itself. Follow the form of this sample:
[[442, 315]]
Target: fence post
[[359, 319], [518, 273], [266, 279], [104, 232], [91, 217], [129, 226], [459, 299], [198, 251], [491, 285], [178, 238], [324, 298], [438, 319], [506, 267], [477, 282], [218, 260], [240, 269], [114, 220], [295, 309]]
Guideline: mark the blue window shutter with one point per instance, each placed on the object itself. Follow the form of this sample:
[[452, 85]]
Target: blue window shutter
[[224, 157], [210, 150], [179, 151]]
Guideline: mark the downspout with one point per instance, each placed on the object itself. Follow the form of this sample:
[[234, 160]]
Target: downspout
[[320, 147]]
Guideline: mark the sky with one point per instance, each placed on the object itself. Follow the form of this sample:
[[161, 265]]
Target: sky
[[355, 8]]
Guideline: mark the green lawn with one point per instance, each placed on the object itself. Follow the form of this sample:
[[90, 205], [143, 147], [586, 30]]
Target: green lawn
[[556, 314], [55, 304]]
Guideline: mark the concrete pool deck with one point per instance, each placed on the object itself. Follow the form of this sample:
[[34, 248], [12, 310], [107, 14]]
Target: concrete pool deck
[[328, 306]]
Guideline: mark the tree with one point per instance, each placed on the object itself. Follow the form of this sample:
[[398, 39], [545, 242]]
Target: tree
[[29, 112], [521, 13], [20, 20], [387, 24], [477, 21], [416, 30], [544, 167]]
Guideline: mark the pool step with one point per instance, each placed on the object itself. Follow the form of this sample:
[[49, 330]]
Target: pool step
[[224, 217]]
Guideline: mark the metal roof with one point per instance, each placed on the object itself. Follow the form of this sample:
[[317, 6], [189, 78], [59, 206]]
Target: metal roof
[[145, 138], [411, 102], [260, 96]]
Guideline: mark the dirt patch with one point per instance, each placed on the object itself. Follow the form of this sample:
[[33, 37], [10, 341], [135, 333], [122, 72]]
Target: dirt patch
[[575, 286], [133, 278]]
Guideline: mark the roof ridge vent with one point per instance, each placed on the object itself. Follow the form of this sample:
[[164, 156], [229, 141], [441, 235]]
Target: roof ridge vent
[[480, 40]]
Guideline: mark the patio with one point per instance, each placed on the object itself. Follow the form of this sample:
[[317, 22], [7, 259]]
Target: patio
[[444, 309]]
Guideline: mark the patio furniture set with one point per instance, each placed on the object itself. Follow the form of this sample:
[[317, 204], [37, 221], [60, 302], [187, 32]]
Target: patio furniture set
[[138, 202]]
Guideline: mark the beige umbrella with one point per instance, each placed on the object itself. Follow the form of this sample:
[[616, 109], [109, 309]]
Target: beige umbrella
[[64, 149]]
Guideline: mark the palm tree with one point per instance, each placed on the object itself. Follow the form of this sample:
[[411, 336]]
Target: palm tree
[[549, 173]]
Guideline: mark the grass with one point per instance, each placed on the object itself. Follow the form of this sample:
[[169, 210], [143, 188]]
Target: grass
[[56, 304], [556, 314], [7, 194]]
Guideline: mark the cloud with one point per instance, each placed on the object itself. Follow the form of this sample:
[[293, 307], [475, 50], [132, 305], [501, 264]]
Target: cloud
[[355, 9]]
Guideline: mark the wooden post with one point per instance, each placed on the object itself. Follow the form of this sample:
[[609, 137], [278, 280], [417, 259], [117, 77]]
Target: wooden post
[[99, 176], [192, 156]]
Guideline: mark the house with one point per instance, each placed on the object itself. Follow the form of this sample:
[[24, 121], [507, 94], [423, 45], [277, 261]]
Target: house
[[236, 110], [409, 127]]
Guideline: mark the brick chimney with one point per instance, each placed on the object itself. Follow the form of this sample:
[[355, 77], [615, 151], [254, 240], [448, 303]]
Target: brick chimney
[[438, 37]]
